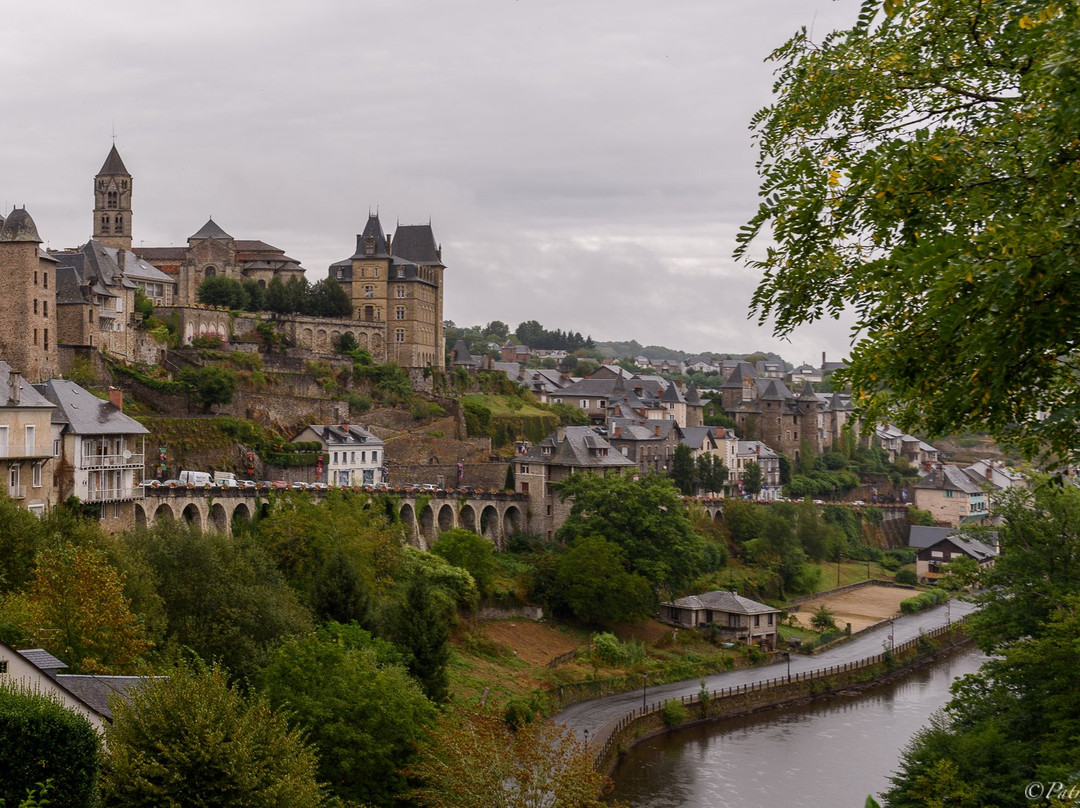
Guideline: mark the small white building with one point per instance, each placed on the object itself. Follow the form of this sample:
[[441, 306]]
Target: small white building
[[352, 455]]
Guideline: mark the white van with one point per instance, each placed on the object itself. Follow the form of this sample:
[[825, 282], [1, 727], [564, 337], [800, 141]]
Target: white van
[[225, 479], [196, 478]]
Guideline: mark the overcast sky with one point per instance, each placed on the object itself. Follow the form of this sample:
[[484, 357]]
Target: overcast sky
[[584, 163]]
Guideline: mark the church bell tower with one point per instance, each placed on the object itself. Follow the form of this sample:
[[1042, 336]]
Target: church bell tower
[[112, 203]]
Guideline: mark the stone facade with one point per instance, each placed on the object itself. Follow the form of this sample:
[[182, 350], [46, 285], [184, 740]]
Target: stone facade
[[763, 407], [28, 329], [112, 203], [396, 288]]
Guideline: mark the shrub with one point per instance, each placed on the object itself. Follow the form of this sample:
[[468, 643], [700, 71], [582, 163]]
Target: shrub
[[674, 712], [907, 576]]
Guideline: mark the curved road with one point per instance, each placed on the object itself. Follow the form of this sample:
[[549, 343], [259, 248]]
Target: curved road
[[591, 716]]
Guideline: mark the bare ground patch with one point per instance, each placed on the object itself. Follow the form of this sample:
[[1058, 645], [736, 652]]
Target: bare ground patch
[[860, 607], [535, 643]]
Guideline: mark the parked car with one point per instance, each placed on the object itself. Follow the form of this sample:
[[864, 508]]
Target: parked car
[[381, 486], [170, 484], [227, 482], [319, 487], [247, 484], [150, 483], [279, 484], [429, 487], [299, 486]]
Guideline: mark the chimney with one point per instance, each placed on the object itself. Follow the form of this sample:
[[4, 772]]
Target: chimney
[[345, 427], [757, 450], [618, 432], [990, 470], [15, 380], [390, 244], [560, 434], [823, 360], [121, 258], [116, 396], [656, 429]]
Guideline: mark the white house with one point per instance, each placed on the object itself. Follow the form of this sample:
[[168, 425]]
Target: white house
[[353, 456], [100, 449]]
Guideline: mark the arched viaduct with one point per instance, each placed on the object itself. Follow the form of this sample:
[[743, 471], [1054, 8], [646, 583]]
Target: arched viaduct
[[496, 516]]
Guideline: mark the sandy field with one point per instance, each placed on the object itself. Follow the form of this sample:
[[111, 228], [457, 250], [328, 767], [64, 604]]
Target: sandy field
[[860, 607]]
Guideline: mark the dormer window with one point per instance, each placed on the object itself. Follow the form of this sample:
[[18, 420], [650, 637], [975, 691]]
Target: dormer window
[[369, 246]]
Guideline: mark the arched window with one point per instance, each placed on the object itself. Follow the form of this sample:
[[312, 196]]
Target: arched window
[[210, 271], [110, 199], [105, 225]]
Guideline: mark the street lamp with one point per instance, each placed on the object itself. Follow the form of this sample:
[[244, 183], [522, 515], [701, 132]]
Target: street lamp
[[892, 634], [787, 656], [644, 689]]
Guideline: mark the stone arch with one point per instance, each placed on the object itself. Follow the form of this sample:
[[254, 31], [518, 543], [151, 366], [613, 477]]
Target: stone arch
[[446, 517], [489, 522], [320, 340], [307, 337], [192, 515], [512, 523], [222, 332], [140, 514], [210, 271], [240, 513], [362, 340], [218, 518], [427, 522], [335, 338], [408, 518], [164, 511], [189, 332], [262, 284], [467, 518]]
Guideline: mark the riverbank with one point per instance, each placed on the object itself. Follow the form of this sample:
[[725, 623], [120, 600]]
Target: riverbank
[[617, 737]]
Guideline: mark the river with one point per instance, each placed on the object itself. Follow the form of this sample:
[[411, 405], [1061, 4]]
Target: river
[[834, 752]]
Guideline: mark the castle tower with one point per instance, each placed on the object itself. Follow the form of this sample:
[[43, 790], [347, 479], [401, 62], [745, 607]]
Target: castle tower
[[112, 203], [28, 304]]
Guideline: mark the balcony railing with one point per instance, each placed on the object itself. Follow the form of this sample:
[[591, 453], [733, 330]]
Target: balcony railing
[[111, 461], [114, 494]]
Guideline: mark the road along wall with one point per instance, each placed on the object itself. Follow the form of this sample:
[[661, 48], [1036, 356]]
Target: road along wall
[[623, 734]]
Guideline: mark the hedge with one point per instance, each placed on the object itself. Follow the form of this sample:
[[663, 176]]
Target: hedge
[[42, 740]]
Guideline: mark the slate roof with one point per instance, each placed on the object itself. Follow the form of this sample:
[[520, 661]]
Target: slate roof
[[210, 230], [20, 227], [338, 435], [373, 229], [28, 396], [42, 659], [416, 243], [86, 414], [695, 436], [721, 601], [948, 478], [579, 448], [96, 691], [113, 164], [923, 538]]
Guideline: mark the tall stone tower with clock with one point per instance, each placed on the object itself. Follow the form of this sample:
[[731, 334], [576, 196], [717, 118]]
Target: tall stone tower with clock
[[112, 203]]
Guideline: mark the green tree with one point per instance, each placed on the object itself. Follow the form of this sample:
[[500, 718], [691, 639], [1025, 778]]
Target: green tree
[[277, 298], [644, 517], [190, 738], [221, 291], [44, 740], [223, 598], [421, 630], [593, 581], [256, 295], [682, 469], [213, 384], [823, 619], [471, 552], [752, 478], [920, 168], [356, 703]]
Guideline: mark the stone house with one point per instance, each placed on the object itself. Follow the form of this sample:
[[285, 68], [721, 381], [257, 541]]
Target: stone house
[[27, 447], [740, 619], [101, 451], [354, 456], [951, 496], [568, 450], [650, 444], [754, 451]]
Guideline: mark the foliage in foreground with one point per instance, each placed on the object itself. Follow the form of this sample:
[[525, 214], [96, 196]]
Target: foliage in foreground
[[921, 169], [40, 740], [474, 760], [194, 734]]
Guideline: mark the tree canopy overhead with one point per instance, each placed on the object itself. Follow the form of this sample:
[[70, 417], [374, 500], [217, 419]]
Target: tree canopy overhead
[[921, 168]]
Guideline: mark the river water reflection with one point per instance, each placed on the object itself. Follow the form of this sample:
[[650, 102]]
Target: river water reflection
[[833, 753]]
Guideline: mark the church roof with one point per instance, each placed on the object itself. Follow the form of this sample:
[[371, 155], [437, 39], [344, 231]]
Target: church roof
[[210, 230], [416, 243], [113, 164], [19, 227]]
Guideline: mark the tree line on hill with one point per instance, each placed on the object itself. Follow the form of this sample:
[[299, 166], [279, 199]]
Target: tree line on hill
[[325, 298]]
